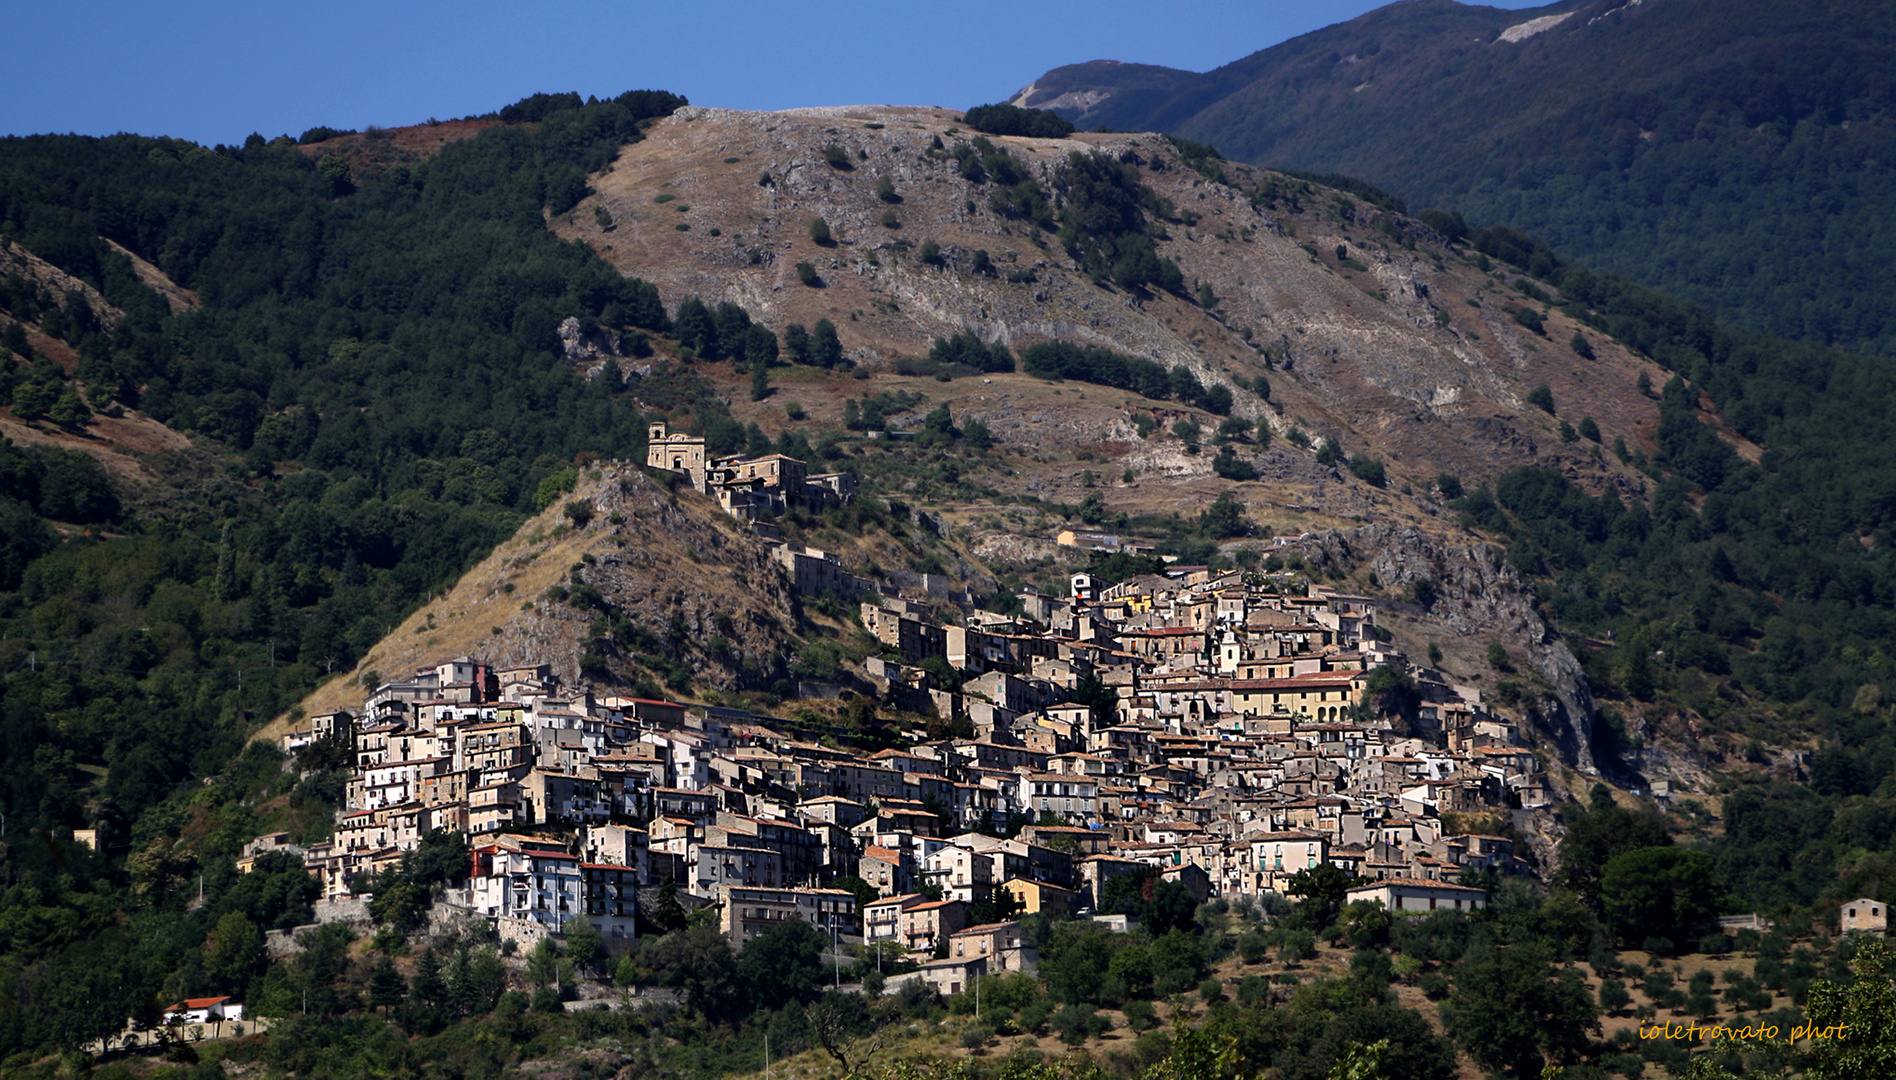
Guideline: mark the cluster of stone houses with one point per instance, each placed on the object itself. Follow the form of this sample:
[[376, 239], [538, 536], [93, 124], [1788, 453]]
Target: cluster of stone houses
[[1223, 742]]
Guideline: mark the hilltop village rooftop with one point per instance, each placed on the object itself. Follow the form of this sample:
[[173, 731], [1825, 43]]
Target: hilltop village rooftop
[[1234, 744]]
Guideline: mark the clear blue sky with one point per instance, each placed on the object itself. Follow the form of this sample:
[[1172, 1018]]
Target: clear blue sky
[[216, 71]]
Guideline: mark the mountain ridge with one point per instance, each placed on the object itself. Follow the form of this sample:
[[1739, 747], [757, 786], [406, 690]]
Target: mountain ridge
[[1675, 143]]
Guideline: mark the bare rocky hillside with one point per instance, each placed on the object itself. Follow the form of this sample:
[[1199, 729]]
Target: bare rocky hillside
[[1414, 358]]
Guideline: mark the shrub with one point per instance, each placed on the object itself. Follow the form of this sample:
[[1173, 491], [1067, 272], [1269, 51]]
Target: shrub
[[1076, 1023], [1187, 431], [837, 157], [1531, 319], [1254, 989], [1032, 1017], [1253, 946], [1542, 398], [820, 232], [1232, 467], [1141, 1016], [1014, 120], [1368, 469], [806, 273], [890, 221], [929, 253], [885, 190], [579, 512], [1614, 996]]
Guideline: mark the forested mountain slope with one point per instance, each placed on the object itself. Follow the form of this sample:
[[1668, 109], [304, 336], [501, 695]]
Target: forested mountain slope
[[1737, 154]]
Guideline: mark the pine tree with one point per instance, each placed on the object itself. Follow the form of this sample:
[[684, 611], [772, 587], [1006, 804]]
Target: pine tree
[[826, 349], [386, 988], [426, 987]]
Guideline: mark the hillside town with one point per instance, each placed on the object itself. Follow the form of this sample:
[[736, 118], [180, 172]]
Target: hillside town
[[1234, 730]]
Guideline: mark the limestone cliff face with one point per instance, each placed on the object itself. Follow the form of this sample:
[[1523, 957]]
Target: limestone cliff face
[[1478, 598]]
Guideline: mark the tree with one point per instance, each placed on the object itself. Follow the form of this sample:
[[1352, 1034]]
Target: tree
[[427, 987], [1581, 346], [760, 346], [1862, 1017], [1511, 1008], [233, 951], [1589, 430], [1015, 120], [1232, 467], [796, 343], [976, 434], [579, 512], [1362, 1062], [386, 988], [1224, 518], [885, 189], [68, 411], [696, 961], [543, 962], [1595, 835], [1390, 691], [806, 273], [826, 349], [584, 943], [1542, 398], [1368, 469], [940, 423], [820, 232], [929, 253], [760, 382], [1658, 891], [1322, 888]]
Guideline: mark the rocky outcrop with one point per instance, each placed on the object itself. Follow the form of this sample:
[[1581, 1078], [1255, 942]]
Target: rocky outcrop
[[622, 579], [1478, 597]]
